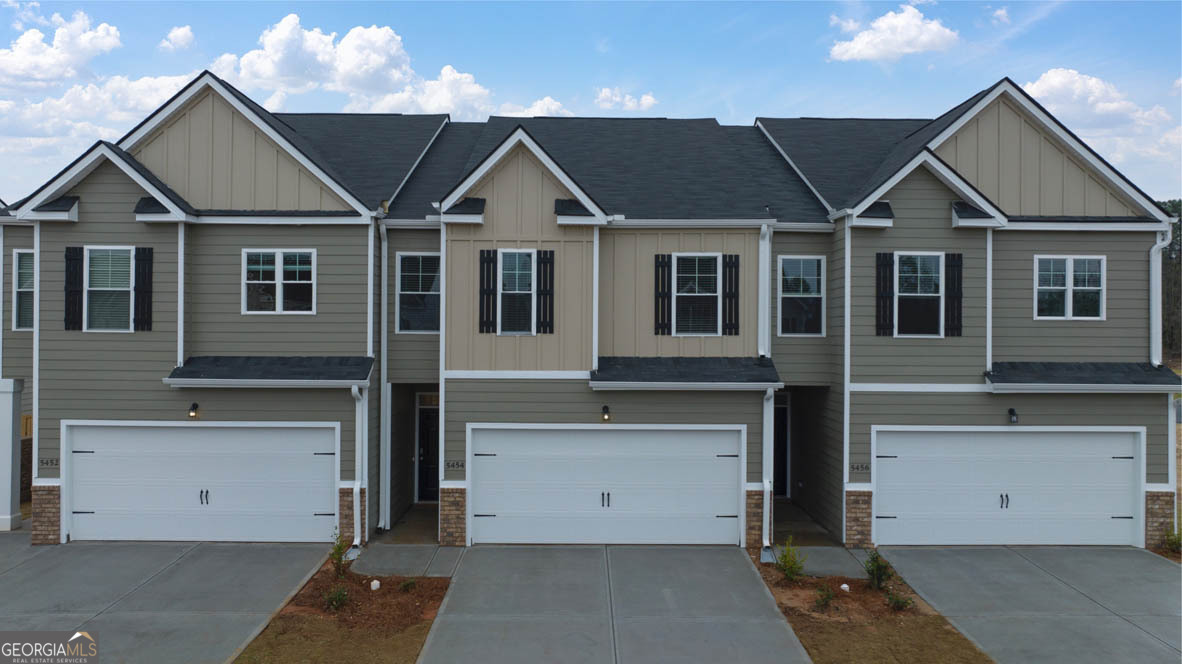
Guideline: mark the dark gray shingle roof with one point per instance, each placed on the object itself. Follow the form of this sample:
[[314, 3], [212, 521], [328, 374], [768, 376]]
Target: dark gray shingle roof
[[1083, 373], [879, 210], [59, 204], [569, 207], [151, 178], [759, 370], [253, 367], [967, 211], [149, 205], [467, 206], [438, 172]]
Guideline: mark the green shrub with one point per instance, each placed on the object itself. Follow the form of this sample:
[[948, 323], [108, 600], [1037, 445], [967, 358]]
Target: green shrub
[[878, 569], [824, 598], [340, 547], [1173, 541], [791, 561], [336, 598], [407, 585], [898, 602]]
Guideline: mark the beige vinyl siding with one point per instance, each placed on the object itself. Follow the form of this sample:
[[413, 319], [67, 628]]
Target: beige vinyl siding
[[1124, 334], [627, 291], [412, 358], [802, 360], [573, 401], [979, 409], [112, 376], [213, 304], [215, 158], [519, 213], [18, 346], [923, 222], [1025, 169]]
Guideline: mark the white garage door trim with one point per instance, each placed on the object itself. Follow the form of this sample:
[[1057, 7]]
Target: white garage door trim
[[741, 429], [66, 452], [1140, 446]]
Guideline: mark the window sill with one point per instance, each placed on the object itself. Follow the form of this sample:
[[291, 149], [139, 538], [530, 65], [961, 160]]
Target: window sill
[[1072, 318], [517, 334], [919, 336], [278, 313], [434, 332], [692, 336], [108, 331], [807, 335]]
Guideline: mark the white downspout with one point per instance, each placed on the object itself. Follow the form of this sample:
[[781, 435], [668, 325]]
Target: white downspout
[[764, 299], [384, 409], [358, 423], [1155, 302], [769, 425]]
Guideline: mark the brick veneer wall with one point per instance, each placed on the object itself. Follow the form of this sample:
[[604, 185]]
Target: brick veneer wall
[[1159, 516], [346, 520], [857, 518], [453, 530], [753, 532], [47, 514]]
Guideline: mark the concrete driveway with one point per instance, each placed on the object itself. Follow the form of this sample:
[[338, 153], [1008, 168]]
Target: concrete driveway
[[151, 601], [1053, 604], [630, 604]]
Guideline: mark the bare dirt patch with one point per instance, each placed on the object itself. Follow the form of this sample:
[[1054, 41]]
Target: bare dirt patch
[[386, 625], [1175, 556]]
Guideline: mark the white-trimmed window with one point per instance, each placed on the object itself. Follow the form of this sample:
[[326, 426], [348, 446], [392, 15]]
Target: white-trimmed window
[[802, 296], [417, 302], [279, 281], [109, 274], [919, 294], [1069, 287], [697, 295], [23, 289], [515, 291]]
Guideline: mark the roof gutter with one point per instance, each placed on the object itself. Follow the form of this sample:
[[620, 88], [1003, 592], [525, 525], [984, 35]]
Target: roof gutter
[[1155, 303], [256, 383], [605, 385], [1080, 388]]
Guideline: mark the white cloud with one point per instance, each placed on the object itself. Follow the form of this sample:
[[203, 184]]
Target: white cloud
[[30, 61], [844, 24], [178, 39], [894, 35], [546, 106], [1001, 16], [1177, 87], [610, 98], [26, 12]]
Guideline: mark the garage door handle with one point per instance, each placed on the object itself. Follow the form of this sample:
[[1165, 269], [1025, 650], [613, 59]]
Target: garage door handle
[[601, 495], [1001, 501], [1007, 501], [201, 497], [609, 498]]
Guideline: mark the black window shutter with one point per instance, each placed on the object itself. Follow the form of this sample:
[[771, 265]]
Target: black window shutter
[[664, 295], [954, 298], [488, 290], [143, 289], [73, 288], [545, 292], [885, 299], [730, 294]]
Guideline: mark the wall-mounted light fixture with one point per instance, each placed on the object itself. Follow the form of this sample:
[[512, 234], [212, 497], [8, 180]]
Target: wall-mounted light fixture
[[1013, 416], [193, 411], [607, 414]]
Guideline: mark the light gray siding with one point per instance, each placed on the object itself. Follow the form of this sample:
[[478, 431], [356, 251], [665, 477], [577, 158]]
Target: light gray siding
[[18, 346], [980, 409], [802, 360], [923, 222], [91, 375], [213, 303], [1124, 334], [412, 358], [572, 401]]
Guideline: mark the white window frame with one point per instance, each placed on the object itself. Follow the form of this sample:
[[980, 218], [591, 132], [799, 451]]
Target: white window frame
[[1069, 287], [398, 256], [533, 292], [717, 287], [16, 253], [780, 295], [86, 287], [943, 292], [279, 282]]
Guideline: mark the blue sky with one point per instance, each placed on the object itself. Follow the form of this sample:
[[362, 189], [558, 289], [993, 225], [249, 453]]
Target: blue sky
[[1111, 72]]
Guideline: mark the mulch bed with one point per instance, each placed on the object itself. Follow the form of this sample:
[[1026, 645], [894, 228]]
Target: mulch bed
[[1175, 556], [398, 604]]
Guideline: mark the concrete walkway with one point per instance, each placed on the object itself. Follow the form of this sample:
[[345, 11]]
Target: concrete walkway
[[627, 604], [408, 560], [1053, 604], [151, 601]]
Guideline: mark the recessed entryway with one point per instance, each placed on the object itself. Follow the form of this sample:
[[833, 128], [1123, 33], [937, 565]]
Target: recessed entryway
[[427, 440]]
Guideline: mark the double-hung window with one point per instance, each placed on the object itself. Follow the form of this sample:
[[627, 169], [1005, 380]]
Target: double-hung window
[[279, 281], [802, 295], [418, 293], [1069, 287], [919, 294], [697, 297], [109, 286], [23, 289], [515, 291]]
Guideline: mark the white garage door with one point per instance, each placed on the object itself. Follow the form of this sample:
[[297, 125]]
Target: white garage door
[[202, 483], [606, 485], [1012, 487]]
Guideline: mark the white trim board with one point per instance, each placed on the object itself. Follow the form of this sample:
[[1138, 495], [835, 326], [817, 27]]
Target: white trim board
[[398, 256], [517, 375], [262, 383], [779, 277], [1083, 226], [608, 386], [1079, 388], [919, 387]]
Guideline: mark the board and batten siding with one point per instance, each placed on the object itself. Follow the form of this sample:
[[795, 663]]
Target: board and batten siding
[[117, 376], [519, 214], [923, 222], [412, 358], [215, 158], [18, 346], [627, 291], [802, 360], [1123, 336], [574, 402], [1025, 169], [980, 409], [213, 303]]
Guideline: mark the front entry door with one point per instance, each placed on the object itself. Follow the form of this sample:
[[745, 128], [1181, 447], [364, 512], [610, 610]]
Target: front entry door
[[428, 449]]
